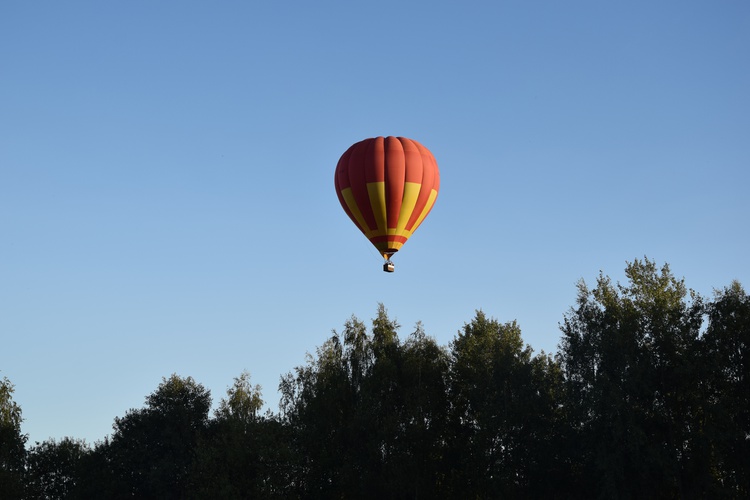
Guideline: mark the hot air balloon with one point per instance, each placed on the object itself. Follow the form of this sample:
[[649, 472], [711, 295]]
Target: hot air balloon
[[387, 186]]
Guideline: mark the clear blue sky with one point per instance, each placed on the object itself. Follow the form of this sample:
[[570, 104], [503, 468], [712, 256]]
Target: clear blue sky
[[166, 177]]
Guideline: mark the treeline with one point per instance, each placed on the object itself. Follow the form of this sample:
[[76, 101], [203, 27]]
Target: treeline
[[648, 397]]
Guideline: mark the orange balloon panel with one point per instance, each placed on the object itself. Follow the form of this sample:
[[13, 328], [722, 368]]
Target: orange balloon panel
[[387, 186]]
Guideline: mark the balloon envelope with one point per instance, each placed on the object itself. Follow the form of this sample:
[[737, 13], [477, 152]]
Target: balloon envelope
[[387, 186]]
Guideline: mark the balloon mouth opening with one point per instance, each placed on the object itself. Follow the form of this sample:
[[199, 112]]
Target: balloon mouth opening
[[388, 253]]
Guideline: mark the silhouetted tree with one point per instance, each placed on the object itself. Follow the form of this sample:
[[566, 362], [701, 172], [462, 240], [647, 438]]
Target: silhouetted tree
[[242, 454], [727, 354], [630, 354], [504, 405], [323, 403], [152, 450], [404, 408], [54, 468], [368, 413], [12, 443], [417, 467]]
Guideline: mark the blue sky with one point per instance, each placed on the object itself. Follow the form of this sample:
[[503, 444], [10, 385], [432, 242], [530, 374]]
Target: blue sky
[[166, 177]]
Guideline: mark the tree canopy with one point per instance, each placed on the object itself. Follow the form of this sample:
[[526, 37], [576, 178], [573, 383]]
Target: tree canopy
[[645, 398]]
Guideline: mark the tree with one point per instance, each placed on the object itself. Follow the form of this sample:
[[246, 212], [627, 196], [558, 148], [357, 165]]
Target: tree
[[403, 411], [12, 443], [243, 401], [367, 414], [54, 468], [416, 466], [319, 403], [152, 450], [727, 352], [503, 413], [242, 454], [630, 355]]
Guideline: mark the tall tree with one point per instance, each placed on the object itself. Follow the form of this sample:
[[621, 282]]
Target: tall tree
[[12, 443], [404, 410], [243, 401], [630, 354], [416, 466], [54, 468], [503, 410], [317, 404], [152, 450], [727, 351], [242, 454], [367, 413]]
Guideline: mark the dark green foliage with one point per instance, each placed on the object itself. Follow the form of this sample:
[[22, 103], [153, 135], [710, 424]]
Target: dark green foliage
[[504, 411], [12, 442], [642, 401], [54, 468], [242, 455], [152, 450], [727, 350], [630, 355], [369, 414]]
